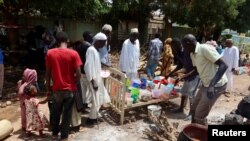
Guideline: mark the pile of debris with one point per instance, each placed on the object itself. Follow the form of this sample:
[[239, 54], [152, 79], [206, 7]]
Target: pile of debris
[[7, 100], [5, 104], [162, 130], [241, 115]]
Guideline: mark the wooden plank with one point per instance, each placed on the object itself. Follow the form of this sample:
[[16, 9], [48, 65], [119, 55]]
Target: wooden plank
[[153, 101], [116, 81]]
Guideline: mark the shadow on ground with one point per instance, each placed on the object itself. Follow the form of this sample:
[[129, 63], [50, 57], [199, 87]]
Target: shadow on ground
[[139, 113]]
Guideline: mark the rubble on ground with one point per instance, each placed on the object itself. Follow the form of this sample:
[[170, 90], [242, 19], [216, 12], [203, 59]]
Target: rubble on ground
[[162, 130]]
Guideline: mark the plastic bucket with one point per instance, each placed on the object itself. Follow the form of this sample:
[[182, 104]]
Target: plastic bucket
[[154, 111]]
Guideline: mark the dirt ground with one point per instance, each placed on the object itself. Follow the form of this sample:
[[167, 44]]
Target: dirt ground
[[135, 121]]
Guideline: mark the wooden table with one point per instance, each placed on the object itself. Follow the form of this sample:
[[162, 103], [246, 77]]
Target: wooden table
[[116, 87]]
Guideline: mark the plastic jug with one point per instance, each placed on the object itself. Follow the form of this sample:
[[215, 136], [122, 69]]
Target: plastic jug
[[143, 83], [167, 89], [134, 93]]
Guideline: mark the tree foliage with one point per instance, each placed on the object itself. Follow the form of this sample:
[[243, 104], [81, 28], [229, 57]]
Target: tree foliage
[[175, 11], [207, 15], [242, 21], [76, 9], [132, 10]]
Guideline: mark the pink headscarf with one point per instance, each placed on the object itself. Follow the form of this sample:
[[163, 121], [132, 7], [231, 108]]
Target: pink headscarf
[[30, 77]]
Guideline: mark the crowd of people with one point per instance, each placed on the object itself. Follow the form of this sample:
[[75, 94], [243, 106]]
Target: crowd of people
[[207, 69], [74, 81]]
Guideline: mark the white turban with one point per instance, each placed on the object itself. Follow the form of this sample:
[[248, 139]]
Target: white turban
[[134, 30], [100, 36], [107, 27]]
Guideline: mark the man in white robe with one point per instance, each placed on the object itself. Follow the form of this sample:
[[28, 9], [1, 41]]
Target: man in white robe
[[231, 57], [129, 59], [94, 86]]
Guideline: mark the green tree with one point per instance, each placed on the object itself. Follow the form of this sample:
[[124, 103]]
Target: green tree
[[242, 21], [135, 10], [12, 10], [142, 7], [76, 9], [175, 11], [207, 16]]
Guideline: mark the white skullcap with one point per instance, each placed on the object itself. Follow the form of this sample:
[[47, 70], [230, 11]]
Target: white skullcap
[[107, 27], [100, 36], [133, 30]]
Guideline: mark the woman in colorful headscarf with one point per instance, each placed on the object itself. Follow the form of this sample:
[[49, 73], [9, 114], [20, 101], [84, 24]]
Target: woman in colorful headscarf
[[29, 78], [167, 57]]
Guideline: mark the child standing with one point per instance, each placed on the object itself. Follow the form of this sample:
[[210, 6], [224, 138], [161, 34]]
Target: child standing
[[29, 78], [35, 120]]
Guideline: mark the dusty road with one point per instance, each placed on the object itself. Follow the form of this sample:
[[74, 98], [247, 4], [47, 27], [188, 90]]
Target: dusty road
[[136, 119]]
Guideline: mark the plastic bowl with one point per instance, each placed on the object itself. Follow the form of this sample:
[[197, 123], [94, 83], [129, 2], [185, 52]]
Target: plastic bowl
[[154, 111]]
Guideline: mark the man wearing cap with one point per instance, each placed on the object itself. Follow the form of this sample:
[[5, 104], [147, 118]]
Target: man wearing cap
[[129, 59], [63, 67], [231, 57], [104, 51], [95, 87]]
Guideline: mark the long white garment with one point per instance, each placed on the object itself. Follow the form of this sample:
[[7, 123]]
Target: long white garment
[[231, 57], [76, 119], [86, 97], [92, 70], [130, 58]]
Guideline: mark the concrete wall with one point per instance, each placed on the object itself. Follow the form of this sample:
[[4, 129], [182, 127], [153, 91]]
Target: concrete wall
[[76, 28], [72, 27]]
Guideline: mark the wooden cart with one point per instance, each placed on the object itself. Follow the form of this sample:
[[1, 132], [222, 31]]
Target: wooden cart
[[116, 87]]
